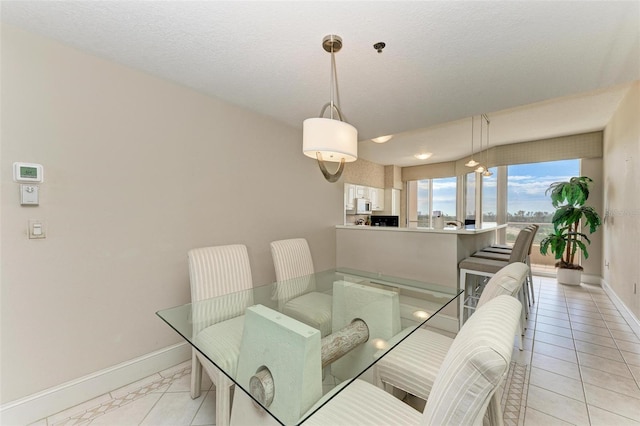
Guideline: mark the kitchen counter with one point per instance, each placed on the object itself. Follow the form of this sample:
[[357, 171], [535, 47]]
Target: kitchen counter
[[486, 227], [430, 255]]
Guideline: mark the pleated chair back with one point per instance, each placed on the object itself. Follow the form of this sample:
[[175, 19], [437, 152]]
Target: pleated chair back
[[521, 246], [474, 366], [215, 272], [507, 280], [291, 258], [294, 268]]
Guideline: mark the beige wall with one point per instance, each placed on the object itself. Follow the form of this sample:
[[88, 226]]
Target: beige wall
[[137, 171], [592, 167], [621, 243], [363, 172]]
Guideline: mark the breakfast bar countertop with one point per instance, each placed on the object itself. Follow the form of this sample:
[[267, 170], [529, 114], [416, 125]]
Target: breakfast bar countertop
[[485, 227]]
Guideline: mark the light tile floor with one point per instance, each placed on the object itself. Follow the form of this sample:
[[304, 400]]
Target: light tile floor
[[580, 366]]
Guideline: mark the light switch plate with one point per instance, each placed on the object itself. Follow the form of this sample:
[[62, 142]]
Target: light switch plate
[[36, 229]]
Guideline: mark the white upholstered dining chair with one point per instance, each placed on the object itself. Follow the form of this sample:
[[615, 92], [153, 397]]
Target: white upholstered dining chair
[[218, 325], [471, 372], [295, 290], [414, 365]]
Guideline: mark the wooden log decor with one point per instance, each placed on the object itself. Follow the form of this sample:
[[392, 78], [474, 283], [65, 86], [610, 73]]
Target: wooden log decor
[[261, 386], [334, 346], [338, 344]]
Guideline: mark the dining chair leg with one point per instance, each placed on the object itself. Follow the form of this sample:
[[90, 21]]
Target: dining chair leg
[[223, 400], [196, 375], [461, 298]]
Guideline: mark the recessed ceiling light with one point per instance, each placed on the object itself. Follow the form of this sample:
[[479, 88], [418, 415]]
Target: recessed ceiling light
[[423, 156], [382, 139]]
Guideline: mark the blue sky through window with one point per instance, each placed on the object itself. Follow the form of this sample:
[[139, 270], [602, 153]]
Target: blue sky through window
[[526, 188], [527, 184], [444, 196]]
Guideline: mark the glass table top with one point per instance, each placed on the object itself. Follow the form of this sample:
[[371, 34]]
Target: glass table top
[[287, 344]]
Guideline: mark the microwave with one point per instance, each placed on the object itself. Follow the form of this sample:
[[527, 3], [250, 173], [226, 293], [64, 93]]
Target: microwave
[[363, 206]]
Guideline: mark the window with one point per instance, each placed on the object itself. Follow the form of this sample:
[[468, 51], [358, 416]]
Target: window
[[424, 203], [470, 196], [527, 202], [435, 194], [444, 197], [490, 196]]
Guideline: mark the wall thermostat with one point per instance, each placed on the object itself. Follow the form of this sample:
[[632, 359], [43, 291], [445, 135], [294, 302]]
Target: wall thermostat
[[28, 172]]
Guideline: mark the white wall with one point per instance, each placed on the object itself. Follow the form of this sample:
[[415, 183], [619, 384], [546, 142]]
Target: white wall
[[621, 243], [137, 171]]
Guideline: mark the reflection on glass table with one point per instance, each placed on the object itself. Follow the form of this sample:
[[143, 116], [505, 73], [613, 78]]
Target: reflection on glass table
[[281, 364]]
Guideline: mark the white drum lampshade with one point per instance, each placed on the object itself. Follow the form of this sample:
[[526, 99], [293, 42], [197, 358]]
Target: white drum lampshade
[[334, 139]]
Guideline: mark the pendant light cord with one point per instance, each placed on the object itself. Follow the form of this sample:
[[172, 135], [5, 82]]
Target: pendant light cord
[[333, 70], [335, 93], [472, 120], [487, 156]]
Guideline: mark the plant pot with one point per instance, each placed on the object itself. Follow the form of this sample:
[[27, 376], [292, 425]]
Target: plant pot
[[569, 276]]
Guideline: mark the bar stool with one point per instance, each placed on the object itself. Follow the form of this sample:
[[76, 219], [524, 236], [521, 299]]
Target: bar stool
[[502, 252], [488, 267]]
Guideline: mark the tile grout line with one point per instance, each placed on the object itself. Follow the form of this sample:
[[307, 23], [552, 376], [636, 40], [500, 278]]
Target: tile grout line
[[615, 342], [523, 411], [583, 383], [573, 338], [564, 296], [619, 350]]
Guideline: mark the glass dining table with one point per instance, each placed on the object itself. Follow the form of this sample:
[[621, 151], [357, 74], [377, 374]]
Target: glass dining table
[[292, 345]]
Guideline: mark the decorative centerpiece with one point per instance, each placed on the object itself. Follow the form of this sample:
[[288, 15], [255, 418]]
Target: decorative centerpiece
[[569, 198]]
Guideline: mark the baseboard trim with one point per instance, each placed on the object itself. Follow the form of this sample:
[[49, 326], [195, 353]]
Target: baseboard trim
[[591, 279], [444, 322], [53, 400], [586, 278], [633, 322]]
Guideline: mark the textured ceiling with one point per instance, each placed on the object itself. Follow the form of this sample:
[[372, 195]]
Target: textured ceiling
[[444, 61]]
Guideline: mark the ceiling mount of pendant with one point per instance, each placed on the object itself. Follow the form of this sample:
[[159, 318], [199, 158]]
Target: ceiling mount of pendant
[[332, 43]]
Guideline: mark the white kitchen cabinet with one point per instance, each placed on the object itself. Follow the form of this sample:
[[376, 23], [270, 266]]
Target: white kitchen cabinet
[[349, 196], [362, 192], [376, 195]]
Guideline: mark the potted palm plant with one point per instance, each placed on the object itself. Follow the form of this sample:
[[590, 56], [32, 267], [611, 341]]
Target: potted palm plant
[[568, 198]]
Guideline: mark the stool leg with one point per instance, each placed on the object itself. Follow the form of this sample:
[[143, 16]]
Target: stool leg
[[520, 336], [526, 303], [523, 317], [463, 287], [533, 298]]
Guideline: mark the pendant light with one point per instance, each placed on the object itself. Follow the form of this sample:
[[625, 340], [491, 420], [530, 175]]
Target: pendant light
[[330, 139], [472, 162], [487, 172]]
